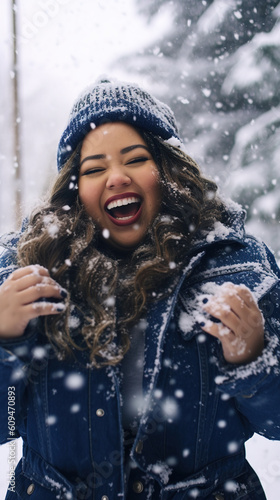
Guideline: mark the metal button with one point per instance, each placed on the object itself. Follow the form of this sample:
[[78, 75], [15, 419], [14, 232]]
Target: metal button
[[138, 487], [30, 489], [100, 413], [139, 447], [104, 497], [219, 496]]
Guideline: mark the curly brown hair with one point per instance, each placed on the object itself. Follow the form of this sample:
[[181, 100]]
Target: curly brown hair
[[103, 284]]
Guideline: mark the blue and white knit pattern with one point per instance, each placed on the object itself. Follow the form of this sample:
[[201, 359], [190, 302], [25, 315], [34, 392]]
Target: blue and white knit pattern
[[115, 101]]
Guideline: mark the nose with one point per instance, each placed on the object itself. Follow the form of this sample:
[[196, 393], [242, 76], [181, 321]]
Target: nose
[[117, 177]]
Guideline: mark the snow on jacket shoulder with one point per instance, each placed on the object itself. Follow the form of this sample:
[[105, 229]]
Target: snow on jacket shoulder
[[8, 255]]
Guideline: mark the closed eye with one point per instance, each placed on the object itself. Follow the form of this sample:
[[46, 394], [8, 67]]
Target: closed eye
[[92, 171], [140, 159]]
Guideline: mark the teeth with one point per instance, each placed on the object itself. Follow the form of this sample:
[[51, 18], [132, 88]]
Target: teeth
[[123, 201], [123, 218]]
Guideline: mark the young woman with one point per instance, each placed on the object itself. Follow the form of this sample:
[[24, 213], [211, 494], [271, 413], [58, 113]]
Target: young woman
[[139, 324]]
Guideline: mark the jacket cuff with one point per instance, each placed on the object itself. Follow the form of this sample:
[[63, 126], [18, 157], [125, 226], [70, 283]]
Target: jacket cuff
[[245, 380], [22, 346]]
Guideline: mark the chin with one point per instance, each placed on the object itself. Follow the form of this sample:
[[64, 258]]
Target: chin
[[123, 247]]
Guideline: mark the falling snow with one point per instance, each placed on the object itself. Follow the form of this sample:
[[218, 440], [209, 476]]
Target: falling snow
[[252, 160], [74, 381]]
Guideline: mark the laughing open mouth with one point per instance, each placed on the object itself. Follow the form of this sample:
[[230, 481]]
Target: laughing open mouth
[[124, 210]]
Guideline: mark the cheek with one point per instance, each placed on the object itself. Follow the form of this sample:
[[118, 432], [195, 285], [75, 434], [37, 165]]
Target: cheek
[[154, 194], [152, 182], [89, 197]]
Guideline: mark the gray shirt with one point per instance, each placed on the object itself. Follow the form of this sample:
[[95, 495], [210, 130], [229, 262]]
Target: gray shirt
[[132, 389]]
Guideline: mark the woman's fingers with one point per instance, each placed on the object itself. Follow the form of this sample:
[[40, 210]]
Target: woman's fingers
[[34, 282], [240, 327], [233, 312], [216, 329], [235, 306], [44, 308], [252, 314], [28, 293], [33, 270], [39, 291]]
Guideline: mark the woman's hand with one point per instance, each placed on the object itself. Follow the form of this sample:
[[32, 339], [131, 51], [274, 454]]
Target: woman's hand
[[241, 326], [18, 296]]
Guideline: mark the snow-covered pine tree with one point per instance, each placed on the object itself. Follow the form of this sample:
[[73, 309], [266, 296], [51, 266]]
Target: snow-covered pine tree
[[255, 156], [218, 67]]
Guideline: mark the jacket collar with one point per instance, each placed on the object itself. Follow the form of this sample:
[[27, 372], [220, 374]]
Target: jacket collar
[[231, 228], [9, 241]]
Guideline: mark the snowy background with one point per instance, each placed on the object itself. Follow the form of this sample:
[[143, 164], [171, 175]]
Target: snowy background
[[216, 62]]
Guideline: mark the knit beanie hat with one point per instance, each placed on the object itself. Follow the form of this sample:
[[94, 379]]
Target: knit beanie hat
[[108, 101]]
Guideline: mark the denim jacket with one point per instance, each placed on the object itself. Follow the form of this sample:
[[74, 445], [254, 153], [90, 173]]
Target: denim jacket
[[199, 410]]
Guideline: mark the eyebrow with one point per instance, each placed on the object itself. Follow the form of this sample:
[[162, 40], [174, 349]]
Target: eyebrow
[[93, 157], [135, 146], [123, 152]]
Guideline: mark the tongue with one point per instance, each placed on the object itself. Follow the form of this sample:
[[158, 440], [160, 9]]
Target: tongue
[[125, 211]]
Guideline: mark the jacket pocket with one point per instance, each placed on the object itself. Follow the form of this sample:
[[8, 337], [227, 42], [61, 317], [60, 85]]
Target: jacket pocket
[[26, 489], [244, 485], [38, 480]]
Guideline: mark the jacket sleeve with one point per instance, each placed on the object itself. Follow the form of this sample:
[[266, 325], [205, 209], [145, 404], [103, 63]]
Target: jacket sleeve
[[8, 263], [15, 372], [256, 385], [14, 367]]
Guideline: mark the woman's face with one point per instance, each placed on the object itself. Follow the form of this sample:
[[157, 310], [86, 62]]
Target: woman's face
[[119, 183]]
